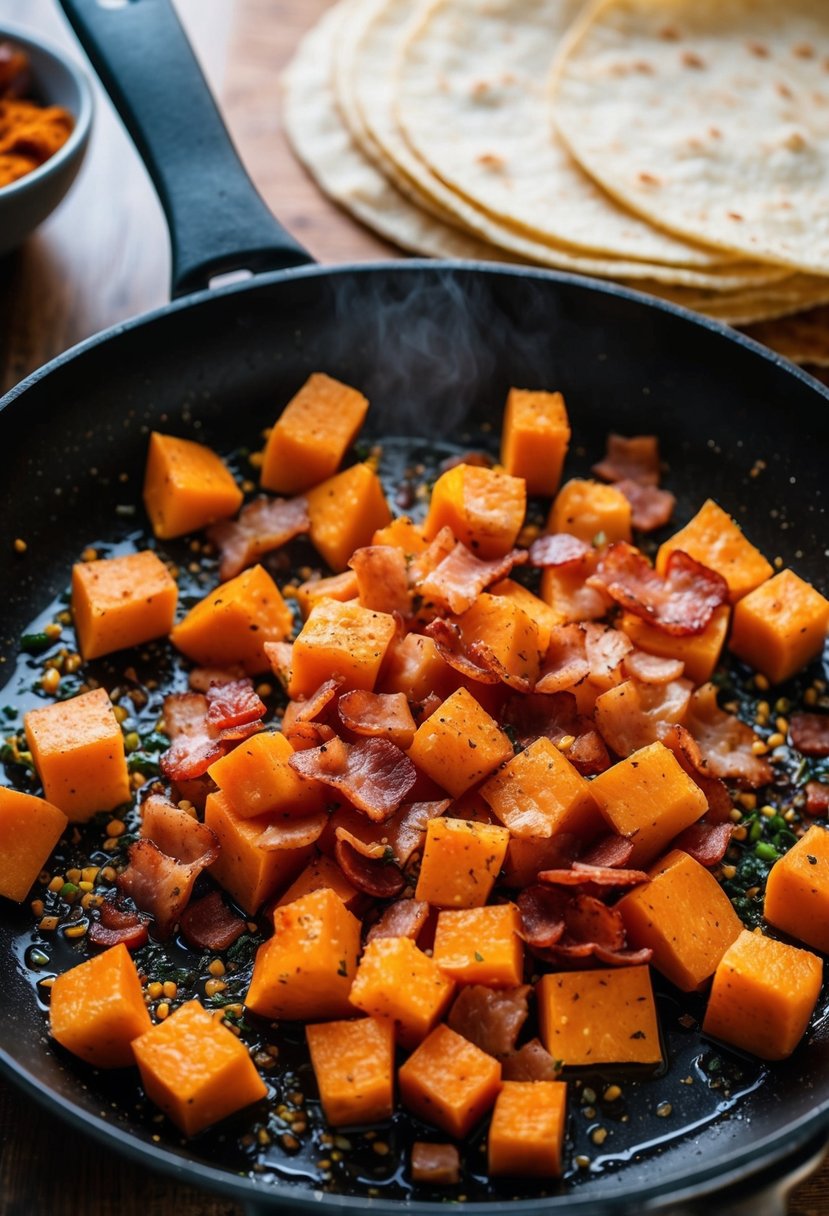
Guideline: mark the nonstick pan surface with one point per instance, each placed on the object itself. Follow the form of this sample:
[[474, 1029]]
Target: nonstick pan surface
[[436, 348]]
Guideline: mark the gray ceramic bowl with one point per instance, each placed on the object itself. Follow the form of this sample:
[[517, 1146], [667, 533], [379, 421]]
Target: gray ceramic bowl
[[26, 202]]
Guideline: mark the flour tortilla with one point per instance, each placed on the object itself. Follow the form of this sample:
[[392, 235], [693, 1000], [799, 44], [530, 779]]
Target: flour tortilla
[[708, 117]]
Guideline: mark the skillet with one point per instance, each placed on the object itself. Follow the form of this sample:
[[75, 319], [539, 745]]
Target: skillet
[[435, 346]]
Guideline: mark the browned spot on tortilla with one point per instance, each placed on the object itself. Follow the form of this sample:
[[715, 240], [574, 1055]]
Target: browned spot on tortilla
[[758, 49], [690, 59], [804, 50]]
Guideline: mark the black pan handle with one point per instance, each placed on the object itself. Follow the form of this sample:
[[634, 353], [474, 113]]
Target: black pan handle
[[218, 222]]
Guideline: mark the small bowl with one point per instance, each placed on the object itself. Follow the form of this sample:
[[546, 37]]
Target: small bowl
[[26, 202]]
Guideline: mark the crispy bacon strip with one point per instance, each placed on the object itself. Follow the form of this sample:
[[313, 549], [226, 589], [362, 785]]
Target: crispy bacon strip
[[447, 638], [382, 578], [558, 549], [159, 884], [293, 831], [582, 873], [384, 715], [605, 648], [234, 703], [481, 652], [195, 742], [681, 603], [817, 799], [532, 1062], [403, 833], [707, 840], [809, 733], [458, 580], [652, 668], [438, 548], [118, 925], [373, 774], [555, 716], [566, 663], [371, 875], [404, 918], [490, 1018], [610, 851], [725, 741], [177, 833], [542, 912], [263, 525], [651, 508], [634, 459], [209, 924], [435, 1164]]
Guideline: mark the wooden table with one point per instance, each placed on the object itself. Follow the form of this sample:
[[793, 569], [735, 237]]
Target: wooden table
[[103, 257]]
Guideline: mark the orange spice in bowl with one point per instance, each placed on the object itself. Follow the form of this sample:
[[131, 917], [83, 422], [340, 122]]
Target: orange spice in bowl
[[30, 133]]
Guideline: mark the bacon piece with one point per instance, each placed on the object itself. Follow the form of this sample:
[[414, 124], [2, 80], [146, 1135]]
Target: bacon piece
[[555, 716], [809, 733], [209, 924], [565, 663], [403, 833], [118, 925], [570, 592], [372, 875], [481, 652], [640, 714], [159, 884], [293, 831], [582, 873], [563, 928], [233, 703], [435, 1164], [373, 774], [447, 638], [195, 742], [587, 919], [382, 578], [312, 707], [817, 799], [263, 525], [384, 715], [725, 741], [177, 833], [630, 459], [652, 668], [404, 918], [688, 753], [424, 563], [200, 678], [490, 1018], [605, 648], [651, 508], [558, 549], [542, 912], [609, 851], [707, 842], [681, 603], [624, 957], [457, 581], [532, 1062]]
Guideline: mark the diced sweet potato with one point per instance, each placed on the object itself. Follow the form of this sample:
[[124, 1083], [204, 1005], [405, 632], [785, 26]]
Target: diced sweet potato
[[195, 1070], [321, 872], [797, 890], [780, 627], [484, 508], [30, 828], [509, 634], [354, 1065], [545, 617], [122, 601], [345, 512], [590, 509], [312, 434], [186, 486], [404, 534], [413, 666], [97, 1009], [526, 1134], [461, 860], [340, 587], [342, 640], [599, 1017], [649, 798], [231, 625], [714, 539], [249, 873], [700, 652], [540, 793], [763, 995], [535, 436], [305, 971], [684, 916], [459, 744], [78, 751], [257, 779], [397, 981], [480, 945], [449, 1082]]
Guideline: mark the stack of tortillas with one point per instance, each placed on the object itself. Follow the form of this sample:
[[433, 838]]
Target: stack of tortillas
[[678, 146]]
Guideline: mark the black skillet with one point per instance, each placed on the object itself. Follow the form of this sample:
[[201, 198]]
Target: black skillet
[[435, 346]]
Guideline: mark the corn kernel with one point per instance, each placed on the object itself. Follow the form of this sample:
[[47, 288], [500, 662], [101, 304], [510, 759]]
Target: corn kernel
[[115, 827], [50, 681], [214, 986], [37, 906], [729, 871], [739, 833], [20, 545], [564, 744], [759, 748], [56, 883], [155, 990], [162, 1011], [761, 682], [77, 930], [747, 801], [108, 874], [217, 967], [48, 924], [120, 713]]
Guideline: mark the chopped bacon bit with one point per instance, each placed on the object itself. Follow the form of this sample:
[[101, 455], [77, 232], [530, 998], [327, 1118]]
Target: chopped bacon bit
[[404, 918], [490, 1018], [263, 525], [634, 459], [557, 549], [652, 668], [581, 873], [651, 508], [382, 578], [299, 722], [424, 563], [312, 707], [233, 703], [372, 875], [817, 799], [435, 1164], [200, 678], [118, 925], [809, 733], [381, 714], [196, 742], [589, 920], [159, 884], [373, 774], [624, 957], [605, 648], [687, 751], [457, 581], [208, 924], [293, 831], [706, 841], [532, 1062], [611, 851], [542, 915], [565, 664], [681, 603], [481, 652], [303, 735], [725, 741], [403, 833], [639, 714], [369, 846], [177, 833], [447, 638], [555, 716]]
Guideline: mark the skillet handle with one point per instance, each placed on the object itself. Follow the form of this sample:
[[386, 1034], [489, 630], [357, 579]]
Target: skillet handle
[[217, 220]]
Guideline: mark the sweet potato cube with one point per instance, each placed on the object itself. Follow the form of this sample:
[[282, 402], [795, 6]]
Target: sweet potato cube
[[232, 624], [122, 601], [343, 640], [97, 1009], [449, 1082], [30, 828], [354, 1065], [763, 995], [684, 916], [526, 1134], [700, 652], [195, 1069], [459, 744], [650, 798], [780, 626], [256, 779], [480, 945], [249, 873], [797, 890], [400, 983], [340, 587], [312, 434], [414, 666], [461, 861], [484, 508], [78, 750], [545, 617], [714, 539], [321, 872], [540, 793], [186, 486], [404, 534], [534, 439], [305, 971], [345, 512], [590, 509], [599, 1017], [511, 635]]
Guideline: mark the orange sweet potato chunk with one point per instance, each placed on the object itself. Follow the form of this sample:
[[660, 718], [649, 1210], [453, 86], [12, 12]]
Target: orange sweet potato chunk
[[78, 750], [526, 1134], [340, 640], [97, 1009], [122, 601], [700, 652], [459, 744], [480, 945], [305, 971], [780, 627], [322, 872], [714, 539], [186, 486], [397, 981], [535, 436], [461, 861], [414, 666], [345, 512], [312, 434], [797, 890], [540, 793], [404, 534], [449, 1082], [249, 873], [684, 916], [256, 779], [30, 828], [340, 587], [599, 1017], [484, 508], [510, 634], [590, 509], [195, 1070], [353, 1063], [763, 995], [543, 615]]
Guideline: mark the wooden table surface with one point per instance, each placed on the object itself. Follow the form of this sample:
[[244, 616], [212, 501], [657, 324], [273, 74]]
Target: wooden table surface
[[103, 257]]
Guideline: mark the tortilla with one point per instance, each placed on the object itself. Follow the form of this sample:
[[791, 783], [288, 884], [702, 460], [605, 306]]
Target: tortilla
[[708, 117]]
